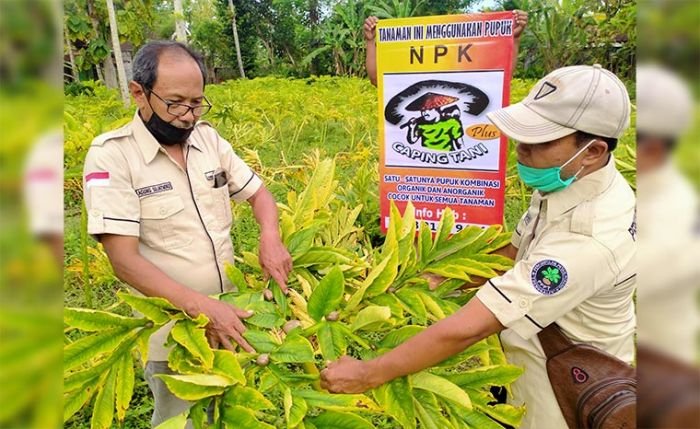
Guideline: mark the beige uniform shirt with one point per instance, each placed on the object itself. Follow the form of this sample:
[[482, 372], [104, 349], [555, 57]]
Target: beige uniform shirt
[[668, 317], [43, 185], [133, 187], [575, 266]]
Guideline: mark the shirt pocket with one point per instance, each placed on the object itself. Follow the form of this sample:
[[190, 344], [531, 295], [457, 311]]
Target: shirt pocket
[[163, 222], [222, 203]]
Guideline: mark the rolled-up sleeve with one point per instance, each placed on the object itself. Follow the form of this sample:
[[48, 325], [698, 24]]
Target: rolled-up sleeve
[[562, 271], [110, 200]]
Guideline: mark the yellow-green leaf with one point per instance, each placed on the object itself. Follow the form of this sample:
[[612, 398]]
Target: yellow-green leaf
[[237, 417], [247, 397], [444, 228], [441, 387], [387, 276], [124, 387], [331, 340], [338, 420], [236, 278], [432, 306], [193, 338], [496, 375], [336, 402], [294, 348], [295, 409], [103, 408], [75, 400], [262, 342], [95, 320], [428, 411], [398, 336], [383, 274], [396, 397], [90, 347], [371, 316], [413, 304], [327, 295], [155, 309], [197, 386], [226, 364]]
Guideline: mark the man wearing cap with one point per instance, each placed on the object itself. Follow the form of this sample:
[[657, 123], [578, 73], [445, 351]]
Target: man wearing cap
[[157, 193], [573, 249]]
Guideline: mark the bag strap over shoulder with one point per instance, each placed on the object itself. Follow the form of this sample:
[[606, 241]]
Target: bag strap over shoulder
[[554, 341]]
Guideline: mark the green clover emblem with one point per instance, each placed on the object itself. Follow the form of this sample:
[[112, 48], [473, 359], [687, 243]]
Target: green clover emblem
[[552, 274]]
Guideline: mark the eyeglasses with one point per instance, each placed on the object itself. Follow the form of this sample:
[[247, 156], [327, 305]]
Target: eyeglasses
[[179, 109]]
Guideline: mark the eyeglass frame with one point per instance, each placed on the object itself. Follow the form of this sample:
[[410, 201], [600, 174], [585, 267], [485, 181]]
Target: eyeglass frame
[[189, 108]]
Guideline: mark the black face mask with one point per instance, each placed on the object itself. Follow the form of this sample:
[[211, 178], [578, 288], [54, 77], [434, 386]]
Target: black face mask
[[166, 133]]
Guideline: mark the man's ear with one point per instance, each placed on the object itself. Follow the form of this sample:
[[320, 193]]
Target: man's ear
[[138, 93], [595, 152]]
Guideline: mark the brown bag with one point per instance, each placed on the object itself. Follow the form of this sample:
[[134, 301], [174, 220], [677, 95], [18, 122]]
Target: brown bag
[[594, 389]]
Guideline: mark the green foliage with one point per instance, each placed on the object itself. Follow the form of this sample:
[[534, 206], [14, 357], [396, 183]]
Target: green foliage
[[562, 33], [354, 281]]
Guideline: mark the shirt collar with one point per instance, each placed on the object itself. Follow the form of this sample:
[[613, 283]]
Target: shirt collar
[[148, 145], [579, 191]]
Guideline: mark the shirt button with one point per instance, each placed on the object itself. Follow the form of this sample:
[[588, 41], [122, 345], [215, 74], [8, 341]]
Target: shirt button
[[523, 302], [162, 210], [95, 213]]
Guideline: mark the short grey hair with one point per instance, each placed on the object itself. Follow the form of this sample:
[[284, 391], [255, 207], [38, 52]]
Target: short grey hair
[[145, 66]]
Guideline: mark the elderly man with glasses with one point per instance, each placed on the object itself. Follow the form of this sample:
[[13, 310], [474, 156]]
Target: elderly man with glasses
[[157, 193]]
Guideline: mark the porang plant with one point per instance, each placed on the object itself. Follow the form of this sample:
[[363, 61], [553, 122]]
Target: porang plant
[[346, 297]]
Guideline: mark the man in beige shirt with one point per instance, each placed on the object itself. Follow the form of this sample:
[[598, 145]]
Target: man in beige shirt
[[573, 249], [157, 193]]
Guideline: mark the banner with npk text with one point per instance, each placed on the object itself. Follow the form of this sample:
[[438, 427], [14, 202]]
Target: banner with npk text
[[437, 78]]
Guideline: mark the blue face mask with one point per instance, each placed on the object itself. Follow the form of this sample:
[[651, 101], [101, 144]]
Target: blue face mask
[[549, 179]]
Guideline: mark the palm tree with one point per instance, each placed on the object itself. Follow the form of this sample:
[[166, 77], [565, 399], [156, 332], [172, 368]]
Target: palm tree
[[118, 53]]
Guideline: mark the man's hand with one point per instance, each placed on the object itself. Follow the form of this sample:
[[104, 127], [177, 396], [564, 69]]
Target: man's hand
[[224, 323], [370, 27], [520, 23], [348, 375], [274, 258]]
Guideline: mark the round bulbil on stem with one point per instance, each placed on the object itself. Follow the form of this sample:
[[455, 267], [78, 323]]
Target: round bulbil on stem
[[263, 359]]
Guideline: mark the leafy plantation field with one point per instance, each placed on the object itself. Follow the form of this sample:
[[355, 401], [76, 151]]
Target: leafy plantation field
[[284, 129]]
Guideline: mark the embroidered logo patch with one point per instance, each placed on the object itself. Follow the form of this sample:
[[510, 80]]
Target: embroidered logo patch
[[546, 89], [548, 276], [154, 189]]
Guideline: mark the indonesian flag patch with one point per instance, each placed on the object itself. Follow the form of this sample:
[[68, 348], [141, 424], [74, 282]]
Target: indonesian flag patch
[[97, 178]]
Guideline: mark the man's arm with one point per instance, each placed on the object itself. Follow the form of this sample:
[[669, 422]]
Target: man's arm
[[132, 268], [446, 338], [274, 257], [369, 29], [520, 18]]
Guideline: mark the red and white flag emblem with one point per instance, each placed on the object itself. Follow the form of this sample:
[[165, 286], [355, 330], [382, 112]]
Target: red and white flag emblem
[[97, 178]]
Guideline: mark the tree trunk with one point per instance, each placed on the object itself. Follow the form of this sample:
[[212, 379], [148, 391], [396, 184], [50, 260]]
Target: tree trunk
[[118, 53], [110, 73], [71, 57], [235, 39], [313, 23], [180, 28]]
